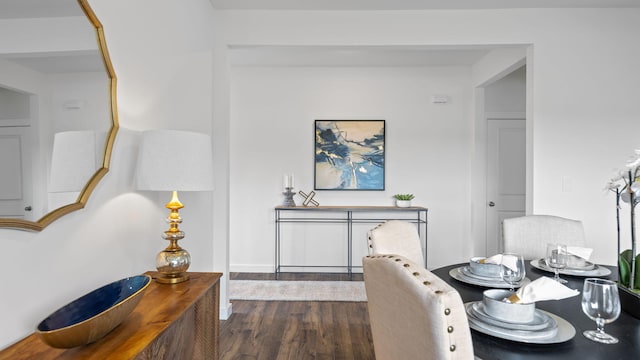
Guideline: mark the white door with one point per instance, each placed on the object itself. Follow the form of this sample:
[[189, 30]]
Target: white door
[[15, 176], [506, 158]]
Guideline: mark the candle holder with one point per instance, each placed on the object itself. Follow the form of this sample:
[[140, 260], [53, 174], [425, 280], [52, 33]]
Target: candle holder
[[288, 197]]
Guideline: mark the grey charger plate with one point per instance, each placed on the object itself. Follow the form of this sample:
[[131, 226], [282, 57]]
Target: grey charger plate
[[564, 331], [497, 283], [598, 271]]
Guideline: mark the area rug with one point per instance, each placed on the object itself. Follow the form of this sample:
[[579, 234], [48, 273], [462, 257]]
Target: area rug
[[279, 290]]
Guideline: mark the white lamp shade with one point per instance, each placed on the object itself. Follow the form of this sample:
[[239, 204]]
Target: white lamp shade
[[172, 160], [73, 160]]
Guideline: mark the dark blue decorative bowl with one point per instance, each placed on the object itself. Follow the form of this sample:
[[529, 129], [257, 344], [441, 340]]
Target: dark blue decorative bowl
[[93, 315]]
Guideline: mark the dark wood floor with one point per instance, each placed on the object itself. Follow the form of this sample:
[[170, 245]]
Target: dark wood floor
[[296, 330]]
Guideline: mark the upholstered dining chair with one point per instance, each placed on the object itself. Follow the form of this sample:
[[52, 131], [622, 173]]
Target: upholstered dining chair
[[413, 313], [396, 237], [529, 235]]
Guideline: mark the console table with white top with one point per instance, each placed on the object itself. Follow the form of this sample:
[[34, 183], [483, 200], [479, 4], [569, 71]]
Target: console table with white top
[[348, 215]]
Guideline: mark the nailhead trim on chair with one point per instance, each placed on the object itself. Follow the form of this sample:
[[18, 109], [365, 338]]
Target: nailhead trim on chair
[[447, 311]]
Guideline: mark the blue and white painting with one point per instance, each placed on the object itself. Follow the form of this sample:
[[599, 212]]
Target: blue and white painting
[[349, 155]]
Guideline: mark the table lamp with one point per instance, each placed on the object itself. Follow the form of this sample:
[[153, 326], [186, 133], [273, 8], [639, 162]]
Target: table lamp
[[172, 160]]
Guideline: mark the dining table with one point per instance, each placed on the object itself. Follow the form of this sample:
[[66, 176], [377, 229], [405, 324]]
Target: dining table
[[626, 328]]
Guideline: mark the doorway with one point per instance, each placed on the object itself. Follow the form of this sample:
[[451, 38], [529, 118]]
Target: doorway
[[15, 179], [506, 171], [505, 109]]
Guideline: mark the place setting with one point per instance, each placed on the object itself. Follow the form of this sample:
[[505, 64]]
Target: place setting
[[501, 271], [512, 315], [569, 260]]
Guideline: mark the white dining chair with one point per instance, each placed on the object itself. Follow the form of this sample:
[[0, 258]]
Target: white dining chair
[[396, 237], [529, 235], [413, 313]]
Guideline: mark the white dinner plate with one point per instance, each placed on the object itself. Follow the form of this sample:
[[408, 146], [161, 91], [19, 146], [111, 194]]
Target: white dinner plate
[[466, 270], [540, 319], [459, 274], [563, 331], [598, 271]]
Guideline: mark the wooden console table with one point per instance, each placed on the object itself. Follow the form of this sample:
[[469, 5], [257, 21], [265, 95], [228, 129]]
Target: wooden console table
[[179, 321], [348, 215]]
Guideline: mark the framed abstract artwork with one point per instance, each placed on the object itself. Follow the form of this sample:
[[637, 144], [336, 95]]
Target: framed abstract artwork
[[349, 155]]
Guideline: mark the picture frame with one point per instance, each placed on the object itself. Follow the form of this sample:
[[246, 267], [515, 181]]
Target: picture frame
[[349, 155]]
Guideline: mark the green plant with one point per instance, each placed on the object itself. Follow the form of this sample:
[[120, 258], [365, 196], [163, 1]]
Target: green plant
[[624, 263], [405, 197], [626, 186]]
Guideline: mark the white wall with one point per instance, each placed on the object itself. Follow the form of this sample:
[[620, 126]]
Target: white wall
[[582, 92], [507, 95], [272, 133], [584, 110], [164, 81]]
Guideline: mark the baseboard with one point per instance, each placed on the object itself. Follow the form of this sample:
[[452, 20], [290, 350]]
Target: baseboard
[[270, 269], [251, 268], [225, 311]]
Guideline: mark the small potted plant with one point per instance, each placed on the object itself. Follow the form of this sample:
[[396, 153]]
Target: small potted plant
[[403, 200]]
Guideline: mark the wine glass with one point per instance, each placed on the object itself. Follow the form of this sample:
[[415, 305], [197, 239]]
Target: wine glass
[[557, 259], [601, 303], [512, 269]]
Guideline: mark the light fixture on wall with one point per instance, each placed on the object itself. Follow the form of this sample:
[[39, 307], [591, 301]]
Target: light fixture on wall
[[172, 160], [440, 99]]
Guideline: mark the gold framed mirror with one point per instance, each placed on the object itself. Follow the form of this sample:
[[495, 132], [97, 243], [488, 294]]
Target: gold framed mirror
[[40, 145]]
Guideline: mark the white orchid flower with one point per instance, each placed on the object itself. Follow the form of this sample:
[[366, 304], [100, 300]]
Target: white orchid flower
[[619, 176], [633, 164], [612, 185], [625, 196]]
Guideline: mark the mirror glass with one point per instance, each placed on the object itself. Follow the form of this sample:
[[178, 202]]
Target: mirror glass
[[58, 116]]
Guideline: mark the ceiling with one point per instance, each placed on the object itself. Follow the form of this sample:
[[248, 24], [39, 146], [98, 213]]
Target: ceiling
[[416, 4], [312, 55], [38, 8], [51, 62], [381, 55]]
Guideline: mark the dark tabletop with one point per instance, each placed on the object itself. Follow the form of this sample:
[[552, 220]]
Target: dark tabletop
[[626, 328]]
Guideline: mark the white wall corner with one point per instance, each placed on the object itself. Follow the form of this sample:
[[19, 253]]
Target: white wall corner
[[498, 63], [225, 311]]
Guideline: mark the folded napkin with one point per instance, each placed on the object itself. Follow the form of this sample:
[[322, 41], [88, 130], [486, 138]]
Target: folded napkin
[[495, 259], [578, 251], [511, 261], [541, 289], [578, 256]]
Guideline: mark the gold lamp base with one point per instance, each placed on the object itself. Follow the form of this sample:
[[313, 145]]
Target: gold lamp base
[[172, 263], [164, 279], [172, 266]]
